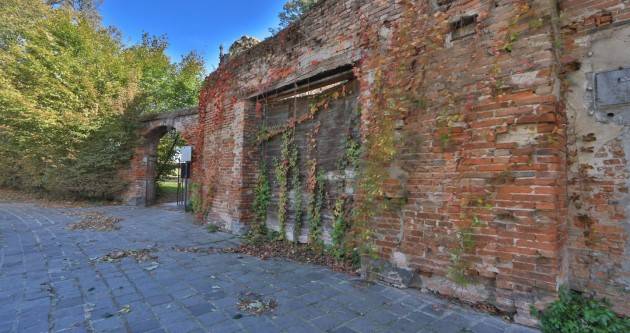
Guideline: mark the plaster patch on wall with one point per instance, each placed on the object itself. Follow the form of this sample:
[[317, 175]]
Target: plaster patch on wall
[[525, 79], [400, 259], [522, 135]]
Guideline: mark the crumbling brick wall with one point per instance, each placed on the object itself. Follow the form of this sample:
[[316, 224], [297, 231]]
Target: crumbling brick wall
[[596, 39], [485, 186], [478, 176]]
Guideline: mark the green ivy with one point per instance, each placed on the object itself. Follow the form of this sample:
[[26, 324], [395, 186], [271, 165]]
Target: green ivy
[[262, 198], [296, 184], [576, 313], [283, 166], [339, 229], [316, 202], [351, 156], [459, 266], [195, 203]]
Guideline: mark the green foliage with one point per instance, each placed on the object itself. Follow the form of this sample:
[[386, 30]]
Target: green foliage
[[509, 42], [212, 228], [283, 166], [340, 226], [70, 96], [339, 248], [195, 202], [292, 10], [351, 156], [262, 194], [457, 270], [165, 86], [576, 313], [296, 184], [465, 243], [166, 153], [315, 204], [381, 148]]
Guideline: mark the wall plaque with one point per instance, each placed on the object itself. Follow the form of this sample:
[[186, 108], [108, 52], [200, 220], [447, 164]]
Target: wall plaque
[[612, 95]]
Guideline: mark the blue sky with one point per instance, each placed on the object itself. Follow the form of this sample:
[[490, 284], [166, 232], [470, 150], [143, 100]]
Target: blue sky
[[193, 24]]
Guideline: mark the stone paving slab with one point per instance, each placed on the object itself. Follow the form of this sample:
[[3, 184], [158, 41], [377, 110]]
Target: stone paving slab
[[50, 282]]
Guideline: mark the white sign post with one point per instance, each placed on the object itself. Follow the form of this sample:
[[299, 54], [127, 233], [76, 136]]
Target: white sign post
[[186, 154]]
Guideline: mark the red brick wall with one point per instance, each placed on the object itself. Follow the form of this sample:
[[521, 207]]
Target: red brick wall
[[492, 151], [490, 140], [595, 38]]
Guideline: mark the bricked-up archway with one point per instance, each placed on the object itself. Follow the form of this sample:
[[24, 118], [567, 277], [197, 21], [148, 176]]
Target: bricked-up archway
[[143, 169]]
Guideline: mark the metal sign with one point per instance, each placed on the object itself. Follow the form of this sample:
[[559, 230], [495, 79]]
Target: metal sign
[[186, 154], [613, 87], [612, 95]]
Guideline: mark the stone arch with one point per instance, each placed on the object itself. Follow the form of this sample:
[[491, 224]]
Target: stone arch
[[143, 169], [151, 142]]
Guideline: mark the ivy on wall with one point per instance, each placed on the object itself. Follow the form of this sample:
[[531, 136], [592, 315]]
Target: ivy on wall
[[306, 197], [296, 184], [262, 197], [283, 166]]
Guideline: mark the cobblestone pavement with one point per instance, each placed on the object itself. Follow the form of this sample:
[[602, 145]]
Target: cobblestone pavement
[[51, 282]]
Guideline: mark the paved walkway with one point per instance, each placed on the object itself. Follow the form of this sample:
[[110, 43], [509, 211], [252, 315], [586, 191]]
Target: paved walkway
[[50, 282]]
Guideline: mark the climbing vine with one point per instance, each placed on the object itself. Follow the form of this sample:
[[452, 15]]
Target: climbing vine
[[339, 228], [262, 198], [316, 187], [394, 77], [296, 184], [283, 166]]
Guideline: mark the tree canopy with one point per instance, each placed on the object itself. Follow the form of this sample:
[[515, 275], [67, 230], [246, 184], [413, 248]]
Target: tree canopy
[[292, 10], [70, 94]]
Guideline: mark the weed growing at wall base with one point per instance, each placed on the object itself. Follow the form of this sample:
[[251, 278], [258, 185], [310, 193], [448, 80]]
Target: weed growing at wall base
[[577, 313]]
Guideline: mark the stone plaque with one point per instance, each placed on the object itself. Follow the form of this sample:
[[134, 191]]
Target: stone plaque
[[613, 87], [612, 96]]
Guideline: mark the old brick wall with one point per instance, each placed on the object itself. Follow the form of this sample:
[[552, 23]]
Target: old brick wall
[[323, 138], [490, 165], [482, 125], [595, 39], [326, 39], [487, 133]]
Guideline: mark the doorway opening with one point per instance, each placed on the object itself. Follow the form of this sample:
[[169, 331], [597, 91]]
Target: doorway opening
[[164, 182]]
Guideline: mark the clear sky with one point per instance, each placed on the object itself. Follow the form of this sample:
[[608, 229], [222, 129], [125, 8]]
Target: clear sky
[[200, 25]]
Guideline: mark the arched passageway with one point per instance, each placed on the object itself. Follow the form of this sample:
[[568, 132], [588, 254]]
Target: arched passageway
[[144, 168], [162, 178]]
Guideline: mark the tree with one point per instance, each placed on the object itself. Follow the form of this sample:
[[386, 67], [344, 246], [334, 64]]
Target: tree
[[70, 94], [167, 153], [292, 10], [89, 8], [166, 86]]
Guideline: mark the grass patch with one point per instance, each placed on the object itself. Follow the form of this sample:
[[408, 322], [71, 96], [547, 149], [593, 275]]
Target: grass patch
[[167, 191]]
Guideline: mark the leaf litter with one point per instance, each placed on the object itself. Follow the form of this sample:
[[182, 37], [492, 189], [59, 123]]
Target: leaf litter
[[95, 221], [256, 304], [140, 255]]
